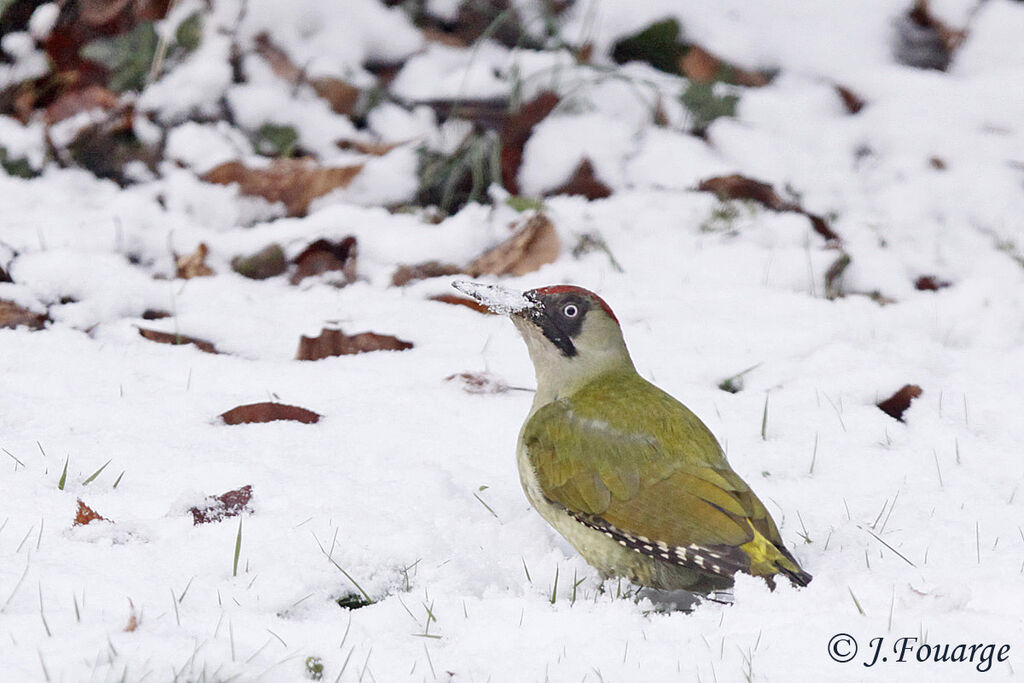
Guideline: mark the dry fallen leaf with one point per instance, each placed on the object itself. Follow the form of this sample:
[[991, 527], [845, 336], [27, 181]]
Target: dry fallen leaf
[[478, 383], [421, 271], [340, 95], [530, 247], [897, 404], [267, 262], [741, 187], [86, 515], [177, 339], [930, 283], [194, 264], [462, 301], [516, 131], [220, 507], [268, 412], [294, 182], [71, 102], [583, 182], [373, 149], [851, 100], [133, 620], [700, 65], [337, 343], [13, 315], [323, 256]]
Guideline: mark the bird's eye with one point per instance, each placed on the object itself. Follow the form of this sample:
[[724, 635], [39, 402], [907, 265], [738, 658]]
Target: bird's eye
[[570, 311]]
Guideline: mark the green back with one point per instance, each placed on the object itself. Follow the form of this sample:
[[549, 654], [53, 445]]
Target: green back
[[625, 451]]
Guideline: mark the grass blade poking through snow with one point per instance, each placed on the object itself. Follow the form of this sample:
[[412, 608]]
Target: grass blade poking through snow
[[63, 475], [95, 474], [369, 600], [238, 549]]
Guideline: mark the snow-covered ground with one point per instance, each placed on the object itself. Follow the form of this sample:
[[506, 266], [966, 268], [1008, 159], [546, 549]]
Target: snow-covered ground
[[911, 529]]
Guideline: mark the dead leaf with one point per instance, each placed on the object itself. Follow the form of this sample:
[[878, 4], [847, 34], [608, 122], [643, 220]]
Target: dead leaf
[[834, 276], [13, 315], [373, 149], [194, 264], [700, 65], [340, 95], [99, 12], [267, 262], [516, 131], [937, 163], [421, 271], [216, 508], [897, 404], [851, 100], [71, 102], [177, 339], [323, 256], [268, 412], [741, 187], [930, 283], [462, 301], [133, 620], [530, 247], [583, 182], [86, 515], [337, 343], [154, 314], [478, 382], [924, 41], [294, 182], [433, 34]]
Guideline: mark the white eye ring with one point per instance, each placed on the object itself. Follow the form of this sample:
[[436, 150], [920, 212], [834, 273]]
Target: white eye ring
[[570, 311]]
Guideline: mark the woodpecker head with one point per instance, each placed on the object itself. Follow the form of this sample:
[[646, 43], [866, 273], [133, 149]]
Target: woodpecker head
[[571, 333]]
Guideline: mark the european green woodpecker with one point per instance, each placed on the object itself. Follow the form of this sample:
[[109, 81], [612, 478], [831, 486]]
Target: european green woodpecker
[[626, 473]]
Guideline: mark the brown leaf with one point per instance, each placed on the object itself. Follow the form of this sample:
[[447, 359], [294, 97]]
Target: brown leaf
[[462, 301], [851, 100], [530, 247], [13, 315], [267, 262], [99, 12], [930, 283], [924, 41], [86, 515], [373, 149], [478, 382], [133, 620], [268, 412], [516, 131], [294, 182], [278, 60], [323, 256], [72, 102], [154, 314], [177, 339], [340, 95], [194, 264], [583, 182], [741, 187], [337, 343], [216, 508], [421, 271], [897, 404], [700, 65]]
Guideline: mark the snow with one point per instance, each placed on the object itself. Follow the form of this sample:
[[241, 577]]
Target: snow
[[409, 482], [499, 299]]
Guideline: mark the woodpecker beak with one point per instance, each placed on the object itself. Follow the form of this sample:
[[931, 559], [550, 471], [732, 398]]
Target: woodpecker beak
[[503, 301]]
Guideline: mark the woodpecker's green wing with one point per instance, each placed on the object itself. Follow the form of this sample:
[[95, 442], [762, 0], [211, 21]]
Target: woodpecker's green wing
[[627, 459]]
